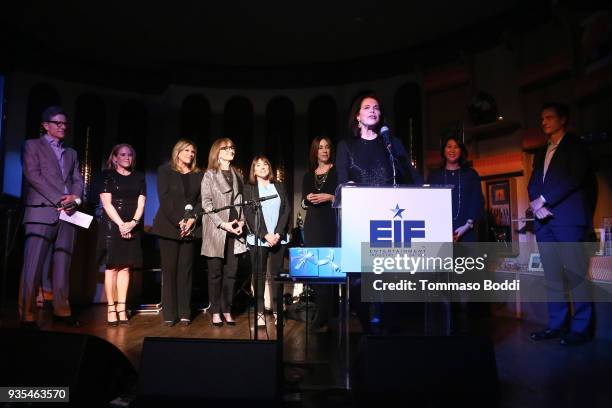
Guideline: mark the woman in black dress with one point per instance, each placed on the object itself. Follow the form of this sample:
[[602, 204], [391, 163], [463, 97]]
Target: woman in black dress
[[467, 211], [363, 158], [123, 196], [178, 189], [318, 189], [320, 227], [468, 202]]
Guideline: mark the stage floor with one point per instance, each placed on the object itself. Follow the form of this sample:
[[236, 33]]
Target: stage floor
[[129, 338], [543, 374]]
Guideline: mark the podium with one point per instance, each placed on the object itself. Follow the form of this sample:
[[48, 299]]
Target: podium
[[380, 219], [372, 220]]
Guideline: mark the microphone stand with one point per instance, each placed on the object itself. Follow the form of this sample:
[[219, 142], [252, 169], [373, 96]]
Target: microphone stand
[[392, 158], [256, 205]]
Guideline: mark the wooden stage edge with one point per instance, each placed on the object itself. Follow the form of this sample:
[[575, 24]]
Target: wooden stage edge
[[129, 338]]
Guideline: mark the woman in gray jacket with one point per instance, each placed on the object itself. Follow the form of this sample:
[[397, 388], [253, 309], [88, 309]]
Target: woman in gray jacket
[[222, 230]]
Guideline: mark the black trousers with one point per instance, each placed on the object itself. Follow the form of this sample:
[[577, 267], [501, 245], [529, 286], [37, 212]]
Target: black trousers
[[177, 273], [277, 255], [222, 278]]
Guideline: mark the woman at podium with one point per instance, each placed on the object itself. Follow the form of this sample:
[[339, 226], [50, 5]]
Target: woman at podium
[[369, 155], [468, 202], [364, 157], [222, 229], [268, 228]]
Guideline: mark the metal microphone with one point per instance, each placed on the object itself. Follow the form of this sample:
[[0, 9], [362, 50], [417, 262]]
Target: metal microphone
[[386, 135], [186, 216], [188, 212]]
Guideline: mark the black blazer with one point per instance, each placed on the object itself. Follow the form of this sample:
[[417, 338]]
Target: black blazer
[[566, 186], [251, 192], [172, 202]]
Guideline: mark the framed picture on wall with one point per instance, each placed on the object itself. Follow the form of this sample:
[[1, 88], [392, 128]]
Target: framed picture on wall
[[498, 208], [535, 264], [499, 193]]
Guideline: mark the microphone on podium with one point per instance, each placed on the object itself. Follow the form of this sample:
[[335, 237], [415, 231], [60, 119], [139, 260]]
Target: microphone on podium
[[386, 135]]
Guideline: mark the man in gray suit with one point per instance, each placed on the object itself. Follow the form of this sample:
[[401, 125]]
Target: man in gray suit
[[53, 184]]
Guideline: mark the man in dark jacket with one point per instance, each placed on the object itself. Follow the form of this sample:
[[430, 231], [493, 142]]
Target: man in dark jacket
[[558, 192]]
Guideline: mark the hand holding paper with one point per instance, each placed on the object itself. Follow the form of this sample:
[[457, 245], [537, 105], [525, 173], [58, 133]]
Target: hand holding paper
[[78, 218]]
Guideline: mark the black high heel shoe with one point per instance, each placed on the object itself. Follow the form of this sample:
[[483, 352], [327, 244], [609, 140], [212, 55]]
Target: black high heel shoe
[[219, 323], [114, 323], [231, 322], [122, 321]]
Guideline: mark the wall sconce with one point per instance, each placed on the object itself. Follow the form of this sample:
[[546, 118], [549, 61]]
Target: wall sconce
[[86, 165], [280, 173]]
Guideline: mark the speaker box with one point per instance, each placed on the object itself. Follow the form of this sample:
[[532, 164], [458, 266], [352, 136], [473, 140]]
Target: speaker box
[[426, 369], [94, 369], [185, 370]]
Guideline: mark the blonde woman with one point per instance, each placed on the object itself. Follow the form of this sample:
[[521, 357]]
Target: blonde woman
[[222, 239], [123, 196], [178, 188]]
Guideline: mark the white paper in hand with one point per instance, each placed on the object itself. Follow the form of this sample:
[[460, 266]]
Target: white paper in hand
[[78, 218]]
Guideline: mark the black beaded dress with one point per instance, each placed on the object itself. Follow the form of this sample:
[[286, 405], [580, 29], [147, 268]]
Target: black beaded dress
[[113, 250], [367, 162]]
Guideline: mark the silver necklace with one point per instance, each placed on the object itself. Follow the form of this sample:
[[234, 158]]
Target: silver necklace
[[458, 191], [320, 179]]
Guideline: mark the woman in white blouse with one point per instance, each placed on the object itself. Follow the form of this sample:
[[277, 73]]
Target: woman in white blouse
[[268, 230]]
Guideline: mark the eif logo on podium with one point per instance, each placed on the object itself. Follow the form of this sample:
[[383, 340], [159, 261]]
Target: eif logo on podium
[[385, 221], [395, 233]]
